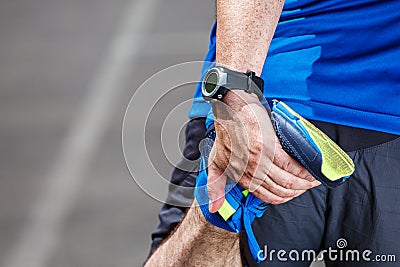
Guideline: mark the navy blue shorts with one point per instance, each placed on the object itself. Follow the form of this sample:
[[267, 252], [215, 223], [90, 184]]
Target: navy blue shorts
[[362, 214], [360, 217]]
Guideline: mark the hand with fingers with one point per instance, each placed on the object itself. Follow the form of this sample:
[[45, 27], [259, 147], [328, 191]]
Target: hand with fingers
[[247, 150]]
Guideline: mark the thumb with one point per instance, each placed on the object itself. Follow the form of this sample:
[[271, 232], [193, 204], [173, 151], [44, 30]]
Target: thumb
[[216, 188]]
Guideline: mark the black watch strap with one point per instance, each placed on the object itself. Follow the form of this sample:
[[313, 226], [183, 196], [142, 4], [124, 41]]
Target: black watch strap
[[256, 86], [252, 84]]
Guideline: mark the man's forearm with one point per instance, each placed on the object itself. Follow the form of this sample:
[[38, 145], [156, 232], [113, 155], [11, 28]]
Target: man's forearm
[[244, 32], [197, 243]]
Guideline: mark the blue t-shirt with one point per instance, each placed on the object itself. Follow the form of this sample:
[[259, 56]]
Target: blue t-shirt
[[335, 61]]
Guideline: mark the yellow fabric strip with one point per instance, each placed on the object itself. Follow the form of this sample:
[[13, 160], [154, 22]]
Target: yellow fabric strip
[[335, 162], [226, 210]]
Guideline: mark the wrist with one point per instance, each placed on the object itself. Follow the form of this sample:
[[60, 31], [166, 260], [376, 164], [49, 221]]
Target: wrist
[[219, 80], [234, 101], [240, 98]]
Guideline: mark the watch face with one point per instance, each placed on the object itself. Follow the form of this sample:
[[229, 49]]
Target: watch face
[[211, 83]]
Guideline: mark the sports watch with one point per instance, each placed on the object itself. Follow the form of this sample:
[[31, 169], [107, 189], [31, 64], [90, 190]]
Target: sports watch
[[219, 80]]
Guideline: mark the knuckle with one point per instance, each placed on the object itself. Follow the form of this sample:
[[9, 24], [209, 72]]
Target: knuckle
[[251, 167], [303, 173], [250, 171], [245, 182], [288, 184], [257, 148], [279, 156], [287, 165], [291, 193]]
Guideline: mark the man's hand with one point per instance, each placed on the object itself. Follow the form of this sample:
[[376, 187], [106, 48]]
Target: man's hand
[[247, 150]]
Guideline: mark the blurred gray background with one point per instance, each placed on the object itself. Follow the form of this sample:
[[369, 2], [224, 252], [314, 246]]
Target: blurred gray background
[[68, 69]]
